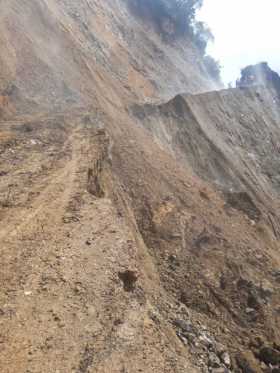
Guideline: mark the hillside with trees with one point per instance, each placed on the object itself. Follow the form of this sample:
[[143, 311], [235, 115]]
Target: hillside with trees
[[177, 19]]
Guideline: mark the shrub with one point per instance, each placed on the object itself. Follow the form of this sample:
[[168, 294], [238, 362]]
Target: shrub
[[176, 18], [180, 13], [213, 68], [201, 35]]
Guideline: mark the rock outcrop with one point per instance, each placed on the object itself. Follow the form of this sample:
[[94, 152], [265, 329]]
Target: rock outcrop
[[260, 74]]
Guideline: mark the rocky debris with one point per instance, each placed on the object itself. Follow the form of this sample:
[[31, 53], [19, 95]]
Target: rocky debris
[[219, 370], [266, 288], [207, 340], [185, 326], [261, 358], [213, 360], [249, 311], [204, 239], [225, 358], [276, 273], [220, 349], [254, 296], [220, 136], [211, 355]]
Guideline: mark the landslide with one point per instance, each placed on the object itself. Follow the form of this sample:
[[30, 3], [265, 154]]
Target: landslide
[[138, 234], [229, 137], [68, 53]]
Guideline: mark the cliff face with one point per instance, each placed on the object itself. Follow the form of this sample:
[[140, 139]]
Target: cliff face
[[230, 137], [260, 74], [73, 54], [139, 215]]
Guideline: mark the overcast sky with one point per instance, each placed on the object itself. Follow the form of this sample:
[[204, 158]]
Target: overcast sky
[[246, 32]]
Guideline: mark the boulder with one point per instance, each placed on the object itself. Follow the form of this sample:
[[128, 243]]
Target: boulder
[[213, 360], [226, 359]]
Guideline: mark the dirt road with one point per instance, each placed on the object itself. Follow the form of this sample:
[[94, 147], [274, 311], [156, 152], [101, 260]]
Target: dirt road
[[63, 304]]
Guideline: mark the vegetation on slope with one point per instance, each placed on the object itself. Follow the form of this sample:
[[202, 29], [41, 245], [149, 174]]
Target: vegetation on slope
[[177, 18]]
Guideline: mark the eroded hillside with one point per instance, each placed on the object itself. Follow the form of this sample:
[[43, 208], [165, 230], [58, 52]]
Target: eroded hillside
[[230, 137], [139, 225], [70, 53]]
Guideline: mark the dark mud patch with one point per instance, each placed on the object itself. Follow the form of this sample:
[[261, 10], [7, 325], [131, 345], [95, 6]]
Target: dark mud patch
[[129, 279]]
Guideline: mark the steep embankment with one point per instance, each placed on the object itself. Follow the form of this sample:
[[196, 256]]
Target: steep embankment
[[69, 53], [230, 137], [118, 251]]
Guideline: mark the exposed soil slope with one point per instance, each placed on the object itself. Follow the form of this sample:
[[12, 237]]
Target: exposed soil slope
[[134, 237], [72, 53], [230, 137]]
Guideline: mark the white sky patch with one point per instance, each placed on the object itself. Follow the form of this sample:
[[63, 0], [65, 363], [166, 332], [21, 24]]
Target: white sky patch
[[246, 32]]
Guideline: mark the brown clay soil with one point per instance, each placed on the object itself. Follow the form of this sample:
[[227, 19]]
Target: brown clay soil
[[105, 241], [134, 237]]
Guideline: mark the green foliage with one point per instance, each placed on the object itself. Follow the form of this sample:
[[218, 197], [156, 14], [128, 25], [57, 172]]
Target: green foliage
[[185, 11], [201, 35], [213, 68], [176, 18], [180, 13]]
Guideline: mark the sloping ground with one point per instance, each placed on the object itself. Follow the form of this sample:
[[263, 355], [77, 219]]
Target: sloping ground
[[122, 251], [110, 247], [211, 257], [70, 53], [229, 137], [70, 257]]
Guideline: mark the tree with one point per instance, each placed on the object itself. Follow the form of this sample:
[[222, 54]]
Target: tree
[[181, 13], [185, 11], [202, 35], [176, 18], [213, 68]]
